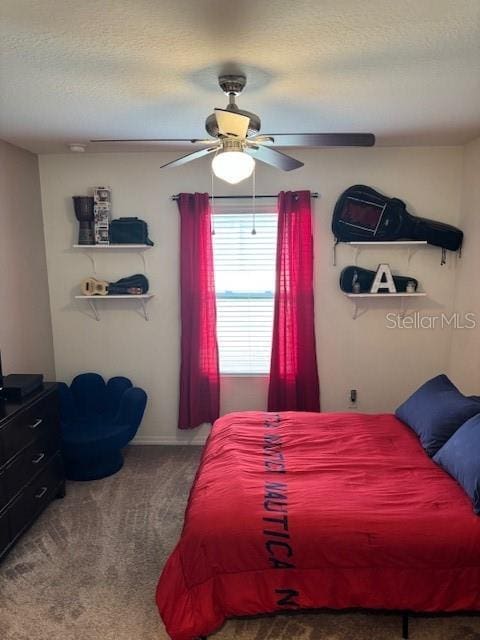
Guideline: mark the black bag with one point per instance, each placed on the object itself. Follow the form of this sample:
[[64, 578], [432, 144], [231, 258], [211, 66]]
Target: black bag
[[136, 284], [350, 275], [129, 231], [361, 213]]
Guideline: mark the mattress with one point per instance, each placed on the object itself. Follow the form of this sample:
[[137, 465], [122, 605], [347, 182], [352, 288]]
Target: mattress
[[296, 511]]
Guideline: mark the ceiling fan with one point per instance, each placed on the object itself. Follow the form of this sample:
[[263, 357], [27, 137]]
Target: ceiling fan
[[236, 140]]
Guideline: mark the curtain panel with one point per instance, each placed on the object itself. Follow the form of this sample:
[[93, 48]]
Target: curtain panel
[[199, 370], [294, 384]]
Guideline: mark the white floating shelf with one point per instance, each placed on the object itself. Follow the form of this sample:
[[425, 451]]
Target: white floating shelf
[[89, 248], [142, 299], [386, 295], [134, 247], [127, 296], [356, 297], [390, 243]]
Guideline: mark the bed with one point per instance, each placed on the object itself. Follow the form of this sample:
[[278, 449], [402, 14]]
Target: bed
[[296, 511]]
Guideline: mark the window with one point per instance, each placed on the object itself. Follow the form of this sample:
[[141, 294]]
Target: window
[[245, 285]]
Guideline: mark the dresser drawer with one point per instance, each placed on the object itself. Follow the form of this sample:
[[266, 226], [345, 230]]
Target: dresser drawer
[[4, 531], [36, 495], [29, 462], [34, 422]]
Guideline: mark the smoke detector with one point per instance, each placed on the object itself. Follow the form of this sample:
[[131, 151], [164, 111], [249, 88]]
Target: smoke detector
[[77, 147]]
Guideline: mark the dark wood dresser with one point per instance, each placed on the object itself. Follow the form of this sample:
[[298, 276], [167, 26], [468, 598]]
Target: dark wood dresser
[[31, 469]]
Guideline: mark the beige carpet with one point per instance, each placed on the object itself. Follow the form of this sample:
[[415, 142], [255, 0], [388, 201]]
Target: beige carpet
[[88, 568]]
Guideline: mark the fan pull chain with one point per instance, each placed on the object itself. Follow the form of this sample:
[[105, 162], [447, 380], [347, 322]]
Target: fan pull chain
[[212, 209], [254, 230]]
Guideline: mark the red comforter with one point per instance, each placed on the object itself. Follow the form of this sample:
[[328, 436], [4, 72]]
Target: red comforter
[[303, 510]]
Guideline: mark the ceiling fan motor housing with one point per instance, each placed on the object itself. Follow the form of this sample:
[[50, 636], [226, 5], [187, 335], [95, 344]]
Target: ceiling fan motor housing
[[233, 85]]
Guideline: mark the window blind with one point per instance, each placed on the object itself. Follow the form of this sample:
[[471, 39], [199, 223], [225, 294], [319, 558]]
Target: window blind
[[245, 284]]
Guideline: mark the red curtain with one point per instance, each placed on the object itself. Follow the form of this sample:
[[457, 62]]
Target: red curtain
[[293, 371], [199, 373]]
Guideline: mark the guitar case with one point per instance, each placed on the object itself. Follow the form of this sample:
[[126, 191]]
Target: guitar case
[[124, 286], [364, 214], [350, 275]]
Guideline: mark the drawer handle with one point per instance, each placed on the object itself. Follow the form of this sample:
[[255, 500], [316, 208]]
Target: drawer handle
[[36, 424], [38, 458], [41, 493]]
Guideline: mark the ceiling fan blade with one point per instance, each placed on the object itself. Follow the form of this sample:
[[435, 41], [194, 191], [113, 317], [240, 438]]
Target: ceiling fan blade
[[273, 157], [232, 124], [190, 156], [323, 139], [194, 140]]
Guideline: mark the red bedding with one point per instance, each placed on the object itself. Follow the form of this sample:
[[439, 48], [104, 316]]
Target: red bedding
[[304, 510]]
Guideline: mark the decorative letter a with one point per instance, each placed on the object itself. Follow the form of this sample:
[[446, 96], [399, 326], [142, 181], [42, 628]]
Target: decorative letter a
[[383, 280]]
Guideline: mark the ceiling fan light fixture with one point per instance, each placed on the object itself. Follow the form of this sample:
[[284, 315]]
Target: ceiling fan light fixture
[[233, 166]]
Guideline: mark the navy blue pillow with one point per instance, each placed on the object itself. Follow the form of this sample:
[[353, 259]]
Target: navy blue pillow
[[460, 457], [435, 411]]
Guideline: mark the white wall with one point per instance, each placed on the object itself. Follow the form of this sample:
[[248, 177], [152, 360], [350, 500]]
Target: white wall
[[465, 353], [382, 364], [25, 331]]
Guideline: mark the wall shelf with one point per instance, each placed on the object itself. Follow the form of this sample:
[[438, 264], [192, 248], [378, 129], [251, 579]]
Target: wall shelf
[[390, 243], [136, 247], [92, 249], [402, 296], [140, 299], [417, 294]]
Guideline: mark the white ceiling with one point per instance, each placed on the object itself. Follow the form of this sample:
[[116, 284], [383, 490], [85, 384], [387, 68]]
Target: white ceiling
[[71, 70]]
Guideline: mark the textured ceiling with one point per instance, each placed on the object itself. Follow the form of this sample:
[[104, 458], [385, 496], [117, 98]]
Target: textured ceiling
[[406, 70]]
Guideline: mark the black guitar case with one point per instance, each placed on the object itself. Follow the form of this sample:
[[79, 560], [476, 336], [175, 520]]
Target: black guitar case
[[124, 286], [350, 275], [361, 213]]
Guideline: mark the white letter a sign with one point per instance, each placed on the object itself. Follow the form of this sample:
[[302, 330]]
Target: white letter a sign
[[383, 280]]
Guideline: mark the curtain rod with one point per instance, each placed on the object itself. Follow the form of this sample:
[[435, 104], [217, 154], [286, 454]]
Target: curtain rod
[[176, 196]]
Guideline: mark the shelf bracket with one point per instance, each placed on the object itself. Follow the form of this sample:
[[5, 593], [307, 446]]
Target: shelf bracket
[[92, 256], [410, 253], [93, 307], [144, 309], [404, 310], [93, 304], [92, 260], [357, 311]]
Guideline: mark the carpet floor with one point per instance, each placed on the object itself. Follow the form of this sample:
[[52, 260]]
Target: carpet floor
[[87, 569]]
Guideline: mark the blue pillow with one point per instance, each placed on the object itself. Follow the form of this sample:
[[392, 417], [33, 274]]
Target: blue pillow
[[435, 411], [460, 457]]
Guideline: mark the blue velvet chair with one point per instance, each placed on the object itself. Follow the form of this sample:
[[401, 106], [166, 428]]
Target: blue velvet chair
[[98, 420]]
